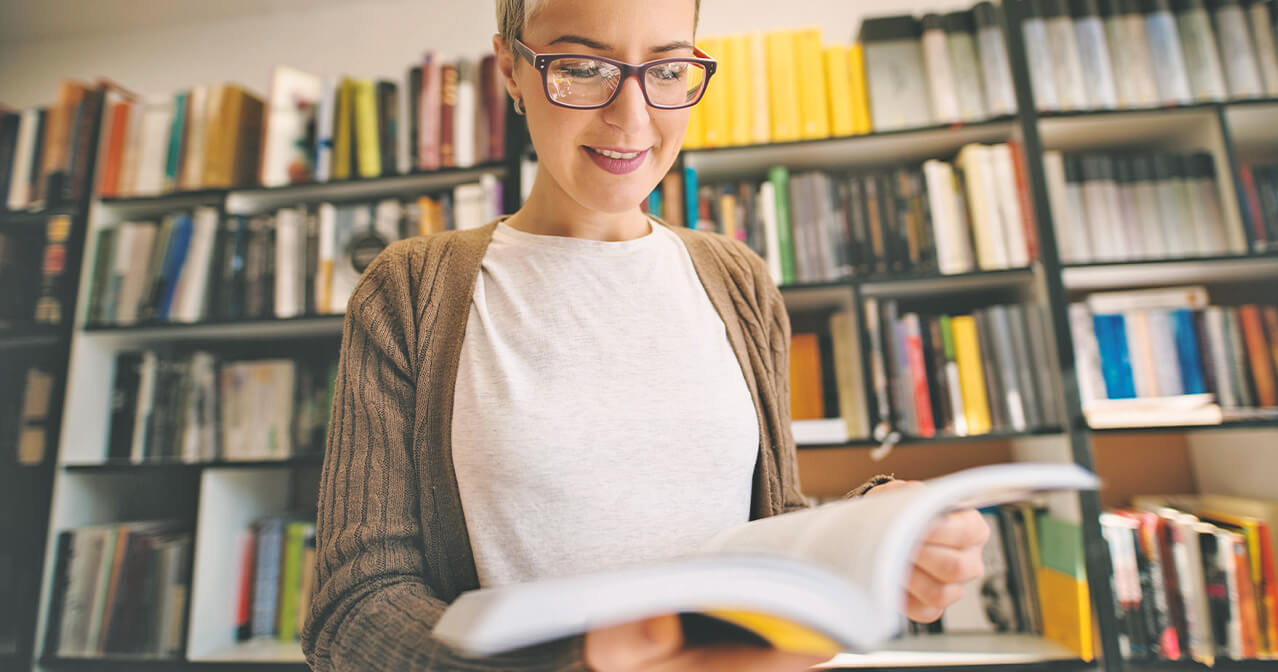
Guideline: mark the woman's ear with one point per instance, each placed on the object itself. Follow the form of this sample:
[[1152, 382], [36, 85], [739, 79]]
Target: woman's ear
[[506, 65]]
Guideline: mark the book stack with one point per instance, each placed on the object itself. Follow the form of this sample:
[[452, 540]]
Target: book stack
[[1110, 54], [902, 72], [276, 578], [826, 382], [1168, 357], [1260, 187], [1125, 207], [308, 129], [198, 408], [814, 226], [46, 152], [1195, 577], [197, 266], [961, 375], [120, 589]]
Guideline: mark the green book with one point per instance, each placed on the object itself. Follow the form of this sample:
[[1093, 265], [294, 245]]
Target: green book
[[779, 176], [177, 132], [291, 579]]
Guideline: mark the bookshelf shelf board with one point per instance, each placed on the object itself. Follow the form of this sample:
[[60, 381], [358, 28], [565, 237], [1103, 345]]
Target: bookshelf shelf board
[[1251, 127], [1184, 429], [124, 665], [198, 195], [1222, 664], [30, 337], [1170, 272], [1162, 129], [818, 296], [965, 652], [907, 441], [310, 460], [256, 199], [1120, 112], [888, 147], [245, 330], [33, 217], [257, 651], [931, 284]]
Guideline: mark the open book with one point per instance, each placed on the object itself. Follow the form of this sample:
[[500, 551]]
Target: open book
[[819, 581]]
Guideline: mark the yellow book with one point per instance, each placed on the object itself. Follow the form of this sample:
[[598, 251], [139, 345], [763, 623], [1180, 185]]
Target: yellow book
[[343, 136], [728, 216], [839, 90], [814, 113], [717, 122], [967, 351], [740, 88], [695, 137], [367, 142], [1067, 611], [783, 85], [861, 118], [760, 112]]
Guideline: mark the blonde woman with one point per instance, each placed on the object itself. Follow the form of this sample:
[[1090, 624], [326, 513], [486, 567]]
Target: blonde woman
[[573, 387]]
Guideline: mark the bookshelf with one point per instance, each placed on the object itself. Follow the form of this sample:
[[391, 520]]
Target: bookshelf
[[219, 499]]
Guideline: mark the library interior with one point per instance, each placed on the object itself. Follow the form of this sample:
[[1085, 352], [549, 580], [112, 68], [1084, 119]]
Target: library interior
[[1022, 232]]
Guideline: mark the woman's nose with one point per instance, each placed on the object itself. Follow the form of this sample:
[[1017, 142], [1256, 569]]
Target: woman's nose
[[629, 110]]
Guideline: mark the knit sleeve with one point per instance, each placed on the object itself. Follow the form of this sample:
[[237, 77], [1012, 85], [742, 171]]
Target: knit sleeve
[[372, 608], [778, 325]]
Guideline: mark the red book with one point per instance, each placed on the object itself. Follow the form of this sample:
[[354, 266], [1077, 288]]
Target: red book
[[1022, 191], [1258, 356], [109, 184], [244, 602], [1271, 329], [429, 109], [495, 99], [1257, 216], [447, 107], [918, 377]]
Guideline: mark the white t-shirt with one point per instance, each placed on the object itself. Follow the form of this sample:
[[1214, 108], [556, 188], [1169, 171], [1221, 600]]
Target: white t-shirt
[[600, 416]]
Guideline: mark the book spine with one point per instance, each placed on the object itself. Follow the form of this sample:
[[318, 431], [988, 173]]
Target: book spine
[[1202, 57], [1167, 56], [1242, 72], [917, 372]]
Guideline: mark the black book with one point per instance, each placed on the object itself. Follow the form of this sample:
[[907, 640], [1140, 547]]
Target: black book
[[1025, 366], [57, 597], [890, 223], [934, 362], [994, 389], [861, 252], [9, 122], [83, 141], [413, 123], [310, 223], [927, 248], [124, 400], [388, 126], [34, 182]]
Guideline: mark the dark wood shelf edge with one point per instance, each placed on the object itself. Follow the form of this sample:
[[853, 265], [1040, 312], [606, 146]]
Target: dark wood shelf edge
[[151, 465]]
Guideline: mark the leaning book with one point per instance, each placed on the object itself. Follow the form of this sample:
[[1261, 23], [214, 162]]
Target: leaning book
[[818, 581]]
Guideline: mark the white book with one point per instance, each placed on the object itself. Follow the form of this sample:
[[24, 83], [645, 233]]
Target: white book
[[191, 176], [1242, 69], [982, 199], [1217, 349], [132, 149], [1009, 205], [199, 424], [834, 574], [1192, 297], [324, 120], [1142, 84], [1071, 90], [290, 257], [1098, 65], [327, 216], [468, 206], [1087, 358], [1038, 54], [1162, 339], [1192, 409], [940, 76], [135, 279], [464, 115], [1152, 234], [1228, 545], [492, 206], [771, 239], [1202, 56], [819, 432], [1140, 354], [953, 253], [1264, 35], [190, 302], [1071, 238], [147, 372], [20, 178], [157, 120], [289, 110], [761, 128]]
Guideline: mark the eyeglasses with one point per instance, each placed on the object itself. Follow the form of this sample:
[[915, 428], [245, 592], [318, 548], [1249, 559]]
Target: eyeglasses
[[590, 82]]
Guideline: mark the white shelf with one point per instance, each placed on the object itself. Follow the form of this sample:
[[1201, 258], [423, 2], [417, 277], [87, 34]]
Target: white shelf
[[266, 199], [1174, 272], [1251, 126], [956, 650], [244, 330], [256, 651]]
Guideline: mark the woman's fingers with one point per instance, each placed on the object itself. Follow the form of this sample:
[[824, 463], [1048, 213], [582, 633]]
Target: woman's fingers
[[930, 592], [950, 565], [921, 613], [738, 659], [961, 529], [640, 645]]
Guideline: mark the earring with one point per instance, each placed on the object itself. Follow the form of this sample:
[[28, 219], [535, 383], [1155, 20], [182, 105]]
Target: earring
[[519, 107]]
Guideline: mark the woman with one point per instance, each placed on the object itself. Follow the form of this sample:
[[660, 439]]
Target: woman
[[586, 385]]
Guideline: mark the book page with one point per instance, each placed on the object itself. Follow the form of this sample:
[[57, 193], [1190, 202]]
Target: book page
[[871, 540]]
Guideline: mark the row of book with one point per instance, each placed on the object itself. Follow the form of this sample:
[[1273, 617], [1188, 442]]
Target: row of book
[[815, 226], [1138, 206], [960, 375], [47, 153], [197, 407], [1090, 54], [1260, 187], [276, 578], [200, 265], [1195, 577], [120, 589], [827, 385], [1171, 343]]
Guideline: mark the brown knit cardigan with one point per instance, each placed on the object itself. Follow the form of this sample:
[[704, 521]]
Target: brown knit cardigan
[[392, 549]]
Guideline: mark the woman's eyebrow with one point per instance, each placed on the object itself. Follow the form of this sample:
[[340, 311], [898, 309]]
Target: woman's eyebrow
[[600, 46]]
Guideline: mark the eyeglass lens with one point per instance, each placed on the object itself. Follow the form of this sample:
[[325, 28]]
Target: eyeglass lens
[[586, 82]]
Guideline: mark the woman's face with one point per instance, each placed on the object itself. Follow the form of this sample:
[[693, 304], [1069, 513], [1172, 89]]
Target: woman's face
[[566, 140]]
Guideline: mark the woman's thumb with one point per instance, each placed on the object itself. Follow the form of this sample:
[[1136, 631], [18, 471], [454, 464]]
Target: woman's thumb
[[634, 646]]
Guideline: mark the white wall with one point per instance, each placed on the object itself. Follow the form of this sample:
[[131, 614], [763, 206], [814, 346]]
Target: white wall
[[368, 38]]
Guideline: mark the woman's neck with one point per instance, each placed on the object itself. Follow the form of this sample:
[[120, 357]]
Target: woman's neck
[[550, 211]]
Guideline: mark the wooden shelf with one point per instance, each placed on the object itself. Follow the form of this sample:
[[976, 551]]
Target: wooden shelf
[[940, 440], [1185, 429], [1154, 272], [246, 330], [906, 285], [309, 460], [966, 652]]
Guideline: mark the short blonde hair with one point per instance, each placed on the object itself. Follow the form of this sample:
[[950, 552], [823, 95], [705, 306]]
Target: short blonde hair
[[513, 14]]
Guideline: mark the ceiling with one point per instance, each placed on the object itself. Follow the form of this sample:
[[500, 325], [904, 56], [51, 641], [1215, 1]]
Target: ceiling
[[23, 20]]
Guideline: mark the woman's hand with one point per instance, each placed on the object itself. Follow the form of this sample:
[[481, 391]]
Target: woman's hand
[[656, 644], [949, 558]]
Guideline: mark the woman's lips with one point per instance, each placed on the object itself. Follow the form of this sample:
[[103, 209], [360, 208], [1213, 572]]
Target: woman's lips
[[614, 164]]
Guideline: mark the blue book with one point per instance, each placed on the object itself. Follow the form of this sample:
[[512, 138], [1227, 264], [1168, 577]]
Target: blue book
[[176, 148], [174, 259], [1116, 365], [690, 196], [654, 203], [1188, 353]]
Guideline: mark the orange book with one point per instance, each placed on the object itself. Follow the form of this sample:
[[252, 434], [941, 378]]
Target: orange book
[[109, 184], [807, 399], [1258, 355], [1248, 615], [1271, 329]]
